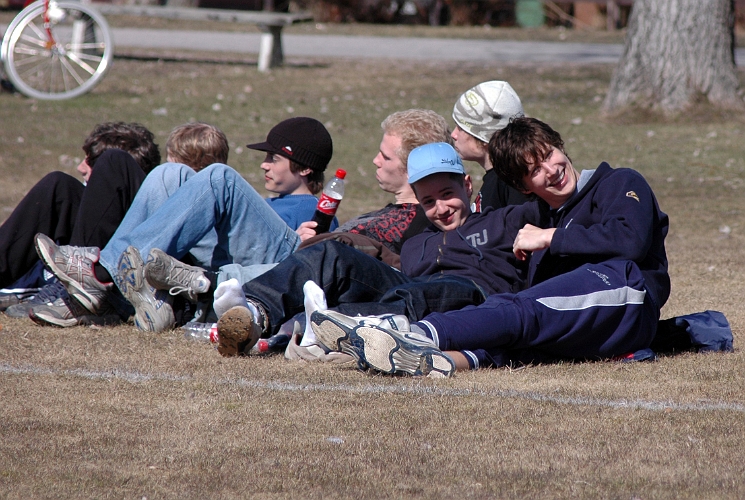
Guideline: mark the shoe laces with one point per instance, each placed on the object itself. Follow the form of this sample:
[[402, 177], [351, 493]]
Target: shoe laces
[[49, 293], [175, 290], [186, 280]]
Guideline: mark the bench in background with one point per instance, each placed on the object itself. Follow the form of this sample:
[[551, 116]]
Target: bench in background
[[270, 23]]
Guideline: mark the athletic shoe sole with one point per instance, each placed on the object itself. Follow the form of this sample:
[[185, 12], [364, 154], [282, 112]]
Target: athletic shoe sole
[[152, 313], [235, 332], [46, 319], [385, 350]]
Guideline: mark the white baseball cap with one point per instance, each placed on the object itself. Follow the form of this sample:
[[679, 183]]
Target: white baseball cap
[[486, 108]]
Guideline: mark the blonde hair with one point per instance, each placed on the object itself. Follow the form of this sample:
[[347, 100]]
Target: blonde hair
[[197, 145], [416, 127]]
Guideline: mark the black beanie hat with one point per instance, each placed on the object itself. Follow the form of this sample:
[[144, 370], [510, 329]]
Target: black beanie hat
[[302, 140]]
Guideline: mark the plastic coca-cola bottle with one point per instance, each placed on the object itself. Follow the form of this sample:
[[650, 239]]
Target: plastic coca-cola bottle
[[274, 344], [329, 202]]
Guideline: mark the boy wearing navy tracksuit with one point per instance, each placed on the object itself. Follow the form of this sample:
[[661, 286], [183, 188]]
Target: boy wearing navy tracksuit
[[597, 272], [595, 292]]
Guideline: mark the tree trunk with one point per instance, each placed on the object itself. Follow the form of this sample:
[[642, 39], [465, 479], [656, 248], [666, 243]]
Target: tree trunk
[[676, 51]]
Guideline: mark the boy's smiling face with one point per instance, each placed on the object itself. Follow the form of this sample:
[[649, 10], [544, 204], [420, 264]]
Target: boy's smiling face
[[445, 199], [554, 179]]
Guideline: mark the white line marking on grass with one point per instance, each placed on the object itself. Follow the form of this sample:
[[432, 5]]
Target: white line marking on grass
[[137, 377], [114, 373]]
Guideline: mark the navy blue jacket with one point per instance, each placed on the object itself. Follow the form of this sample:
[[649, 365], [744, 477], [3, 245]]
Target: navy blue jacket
[[480, 250], [614, 217]]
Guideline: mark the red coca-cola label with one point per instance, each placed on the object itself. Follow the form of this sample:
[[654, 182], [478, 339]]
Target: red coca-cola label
[[328, 205]]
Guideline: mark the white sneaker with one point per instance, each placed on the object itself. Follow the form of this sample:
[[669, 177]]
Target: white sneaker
[[164, 272], [315, 352], [383, 343]]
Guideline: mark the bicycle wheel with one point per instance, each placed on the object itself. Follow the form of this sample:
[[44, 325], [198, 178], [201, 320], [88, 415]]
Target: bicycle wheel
[[69, 64]]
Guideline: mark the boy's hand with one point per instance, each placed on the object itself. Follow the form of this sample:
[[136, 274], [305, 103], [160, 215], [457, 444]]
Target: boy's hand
[[531, 238], [306, 230]]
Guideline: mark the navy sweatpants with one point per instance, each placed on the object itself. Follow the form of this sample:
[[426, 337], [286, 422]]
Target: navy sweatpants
[[595, 311]]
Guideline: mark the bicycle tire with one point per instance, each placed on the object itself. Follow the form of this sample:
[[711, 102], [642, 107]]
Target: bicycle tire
[[73, 65]]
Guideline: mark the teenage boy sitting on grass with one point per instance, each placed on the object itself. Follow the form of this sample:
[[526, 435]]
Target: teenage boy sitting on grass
[[62, 207], [597, 277]]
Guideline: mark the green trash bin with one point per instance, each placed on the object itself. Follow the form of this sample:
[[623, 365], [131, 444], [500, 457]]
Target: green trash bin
[[529, 13]]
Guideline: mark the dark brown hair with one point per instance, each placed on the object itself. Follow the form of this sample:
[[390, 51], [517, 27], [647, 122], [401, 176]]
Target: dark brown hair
[[524, 142], [133, 138], [314, 178]]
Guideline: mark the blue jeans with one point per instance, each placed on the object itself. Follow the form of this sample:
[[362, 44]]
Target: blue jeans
[[217, 217], [355, 283], [159, 185], [243, 274]]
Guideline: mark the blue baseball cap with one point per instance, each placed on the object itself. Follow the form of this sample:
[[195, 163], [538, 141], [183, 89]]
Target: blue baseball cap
[[434, 158]]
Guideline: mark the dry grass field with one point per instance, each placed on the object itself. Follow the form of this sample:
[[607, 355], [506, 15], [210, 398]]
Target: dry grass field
[[117, 413]]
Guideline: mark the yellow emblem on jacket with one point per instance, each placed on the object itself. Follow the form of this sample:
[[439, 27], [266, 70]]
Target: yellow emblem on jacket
[[632, 194]]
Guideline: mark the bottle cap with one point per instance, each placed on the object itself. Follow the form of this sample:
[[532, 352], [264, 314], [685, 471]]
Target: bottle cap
[[341, 173]]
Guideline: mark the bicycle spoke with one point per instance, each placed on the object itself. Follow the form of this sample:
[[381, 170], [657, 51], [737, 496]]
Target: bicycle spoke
[[86, 46], [94, 59], [36, 58], [30, 51], [66, 65], [32, 41], [37, 73], [81, 64], [40, 33]]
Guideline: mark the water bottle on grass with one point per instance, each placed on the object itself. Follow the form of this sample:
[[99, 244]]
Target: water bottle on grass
[[200, 331]]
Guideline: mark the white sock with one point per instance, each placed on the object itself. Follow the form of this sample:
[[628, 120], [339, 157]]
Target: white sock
[[228, 294], [315, 299]]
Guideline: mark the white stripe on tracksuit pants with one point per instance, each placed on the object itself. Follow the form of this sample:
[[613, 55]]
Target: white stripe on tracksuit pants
[[596, 311]]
